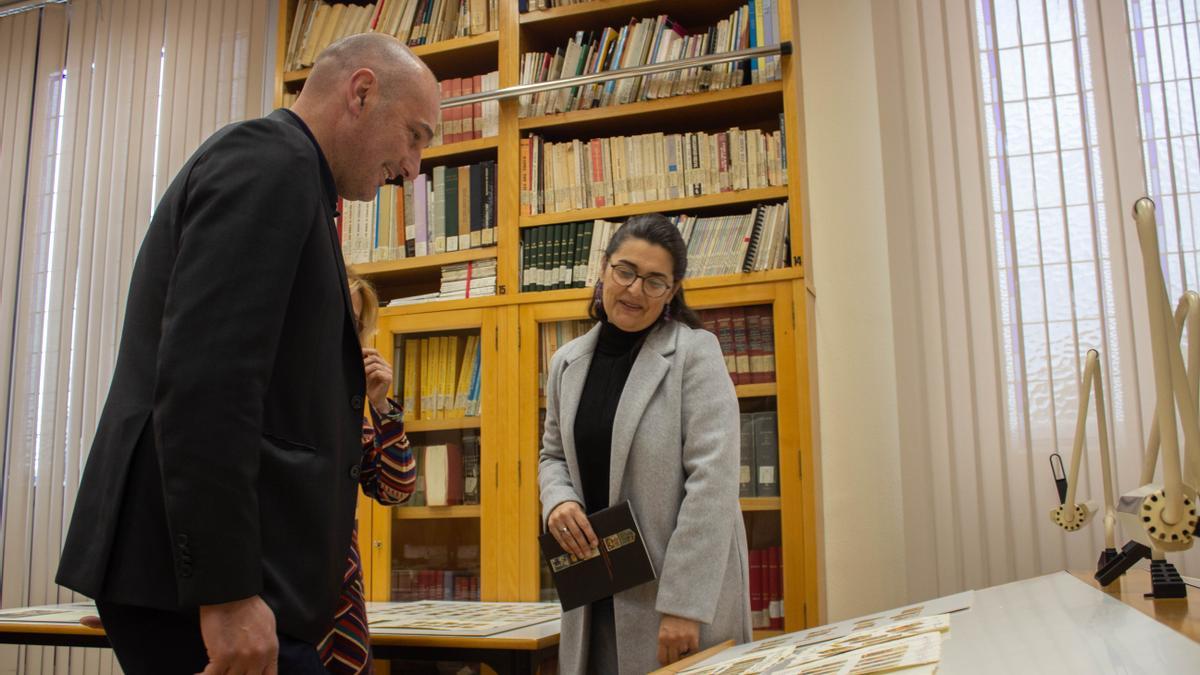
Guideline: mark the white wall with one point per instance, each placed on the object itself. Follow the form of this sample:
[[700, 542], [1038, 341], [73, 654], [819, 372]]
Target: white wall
[[861, 498]]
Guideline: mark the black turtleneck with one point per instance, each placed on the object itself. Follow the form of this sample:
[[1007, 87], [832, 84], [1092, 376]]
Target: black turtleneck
[[615, 353]]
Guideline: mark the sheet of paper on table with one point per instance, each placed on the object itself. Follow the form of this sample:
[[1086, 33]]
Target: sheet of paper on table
[[456, 618], [70, 613], [833, 631], [883, 647]]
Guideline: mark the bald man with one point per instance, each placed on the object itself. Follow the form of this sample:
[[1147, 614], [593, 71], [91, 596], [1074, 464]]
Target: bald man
[[217, 504]]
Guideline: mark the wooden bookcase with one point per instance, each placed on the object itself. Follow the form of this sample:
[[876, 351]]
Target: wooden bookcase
[[506, 523]]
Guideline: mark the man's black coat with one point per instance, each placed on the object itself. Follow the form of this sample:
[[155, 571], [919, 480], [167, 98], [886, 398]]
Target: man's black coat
[[225, 460]]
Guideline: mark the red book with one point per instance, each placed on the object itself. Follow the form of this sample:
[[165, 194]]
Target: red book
[[756, 589], [477, 107], [597, 162], [758, 344], [375, 17], [454, 487], [708, 319], [741, 346], [456, 113], [341, 240], [767, 324], [725, 337], [467, 125], [775, 586]]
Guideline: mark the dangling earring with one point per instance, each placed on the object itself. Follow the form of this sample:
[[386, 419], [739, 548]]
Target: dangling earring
[[666, 315], [598, 294]]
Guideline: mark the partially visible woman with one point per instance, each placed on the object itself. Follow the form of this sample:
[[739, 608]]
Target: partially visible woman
[[387, 474], [641, 408]]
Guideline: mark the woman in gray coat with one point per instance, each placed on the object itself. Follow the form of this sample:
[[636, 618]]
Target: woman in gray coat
[[641, 408]]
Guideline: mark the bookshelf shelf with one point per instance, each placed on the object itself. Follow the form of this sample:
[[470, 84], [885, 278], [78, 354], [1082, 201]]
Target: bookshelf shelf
[[721, 281], [452, 424], [688, 204], [444, 58], [297, 75], [444, 306], [760, 503], [664, 113], [448, 55], [436, 512], [461, 152], [422, 274], [599, 13], [396, 267], [756, 390]]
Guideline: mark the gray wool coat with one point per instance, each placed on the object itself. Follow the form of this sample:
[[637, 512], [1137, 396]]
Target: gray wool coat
[[675, 458]]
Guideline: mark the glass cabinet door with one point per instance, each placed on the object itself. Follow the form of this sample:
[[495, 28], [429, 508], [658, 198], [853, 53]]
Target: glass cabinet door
[[436, 544]]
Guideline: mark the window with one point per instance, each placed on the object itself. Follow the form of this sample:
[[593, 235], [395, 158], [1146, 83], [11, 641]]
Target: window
[[1052, 259]]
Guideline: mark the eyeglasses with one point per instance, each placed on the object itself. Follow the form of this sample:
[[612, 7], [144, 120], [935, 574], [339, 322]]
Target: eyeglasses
[[652, 286]]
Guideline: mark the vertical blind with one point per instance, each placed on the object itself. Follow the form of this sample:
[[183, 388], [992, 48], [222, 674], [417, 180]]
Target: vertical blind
[[1053, 266], [126, 91]]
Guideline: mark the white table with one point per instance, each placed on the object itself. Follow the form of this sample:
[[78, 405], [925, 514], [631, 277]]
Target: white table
[[1059, 624]]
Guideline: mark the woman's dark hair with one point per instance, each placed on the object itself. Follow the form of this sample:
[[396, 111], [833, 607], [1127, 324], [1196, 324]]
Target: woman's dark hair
[[656, 229]]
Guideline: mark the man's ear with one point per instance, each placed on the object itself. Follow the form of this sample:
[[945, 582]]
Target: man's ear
[[362, 81]]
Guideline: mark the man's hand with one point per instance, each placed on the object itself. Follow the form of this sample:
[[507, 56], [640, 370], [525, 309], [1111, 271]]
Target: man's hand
[[677, 637], [240, 638], [379, 379]]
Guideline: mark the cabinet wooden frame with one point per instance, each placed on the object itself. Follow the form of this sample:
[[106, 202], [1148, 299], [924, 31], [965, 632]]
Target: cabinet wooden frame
[[508, 516]]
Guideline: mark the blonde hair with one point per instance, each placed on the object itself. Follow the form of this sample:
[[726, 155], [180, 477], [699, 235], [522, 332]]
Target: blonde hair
[[370, 304]]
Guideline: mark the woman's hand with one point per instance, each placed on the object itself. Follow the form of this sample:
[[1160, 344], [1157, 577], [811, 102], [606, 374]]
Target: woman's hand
[[677, 637], [571, 529], [379, 379]]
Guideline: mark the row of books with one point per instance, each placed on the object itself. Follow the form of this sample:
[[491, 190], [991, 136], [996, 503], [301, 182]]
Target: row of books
[[766, 588], [747, 337], [570, 255], [318, 24], [421, 22], [537, 5], [447, 473], [602, 172], [553, 336], [474, 279], [474, 120], [441, 376], [448, 209], [566, 255], [751, 242], [650, 41], [758, 474], [416, 585]]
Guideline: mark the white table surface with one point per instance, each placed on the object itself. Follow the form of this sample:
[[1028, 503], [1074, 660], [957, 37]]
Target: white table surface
[[1058, 624]]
